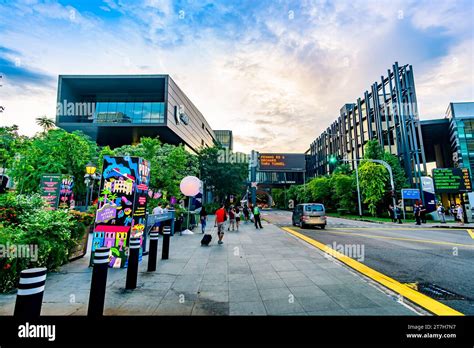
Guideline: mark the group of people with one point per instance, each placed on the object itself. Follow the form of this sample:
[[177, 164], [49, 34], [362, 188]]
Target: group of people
[[234, 214], [420, 211]]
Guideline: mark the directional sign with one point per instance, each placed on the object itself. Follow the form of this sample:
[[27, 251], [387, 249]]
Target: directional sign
[[452, 180], [410, 194]]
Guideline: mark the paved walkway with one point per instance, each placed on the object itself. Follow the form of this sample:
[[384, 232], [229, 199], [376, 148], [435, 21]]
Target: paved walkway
[[255, 272]]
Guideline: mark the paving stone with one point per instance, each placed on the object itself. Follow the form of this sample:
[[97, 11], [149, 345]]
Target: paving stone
[[251, 295], [247, 308], [282, 307]]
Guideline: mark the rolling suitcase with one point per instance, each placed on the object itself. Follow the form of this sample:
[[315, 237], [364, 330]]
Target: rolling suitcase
[[206, 239]]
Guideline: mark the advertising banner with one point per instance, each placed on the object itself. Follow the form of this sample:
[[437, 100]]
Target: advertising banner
[[121, 206], [66, 196]]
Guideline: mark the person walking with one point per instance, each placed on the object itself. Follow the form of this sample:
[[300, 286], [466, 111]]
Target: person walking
[[221, 216], [398, 212], [246, 213], [460, 214], [441, 213], [157, 210], [391, 213], [231, 218], [237, 217], [203, 219], [256, 217], [417, 214], [423, 211]]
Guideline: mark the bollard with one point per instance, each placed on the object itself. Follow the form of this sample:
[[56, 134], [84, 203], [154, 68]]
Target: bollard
[[29, 297], [98, 282], [166, 243], [153, 251], [132, 270]]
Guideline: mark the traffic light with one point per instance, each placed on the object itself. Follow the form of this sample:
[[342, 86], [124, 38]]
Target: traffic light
[[333, 160]]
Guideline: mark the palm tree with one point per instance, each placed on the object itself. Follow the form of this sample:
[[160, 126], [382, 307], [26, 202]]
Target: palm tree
[[45, 122]]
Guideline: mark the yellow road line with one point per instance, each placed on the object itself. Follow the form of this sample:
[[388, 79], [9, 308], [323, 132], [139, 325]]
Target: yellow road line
[[403, 239], [471, 233], [420, 299]]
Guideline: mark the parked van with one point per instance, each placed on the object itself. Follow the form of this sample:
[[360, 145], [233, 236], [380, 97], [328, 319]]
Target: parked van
[[309, 214]]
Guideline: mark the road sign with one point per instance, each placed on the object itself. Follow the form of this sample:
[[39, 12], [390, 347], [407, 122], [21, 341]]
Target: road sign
[[253, 184], [411, 194], [452, 180]]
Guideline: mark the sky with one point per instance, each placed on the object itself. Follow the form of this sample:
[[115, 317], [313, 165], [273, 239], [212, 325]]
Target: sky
[[274, 72]]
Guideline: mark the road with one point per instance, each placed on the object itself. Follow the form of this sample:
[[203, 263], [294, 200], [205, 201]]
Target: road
[[408, 254]]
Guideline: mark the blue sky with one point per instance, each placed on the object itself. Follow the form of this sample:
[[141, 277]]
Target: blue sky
[[276, 72]]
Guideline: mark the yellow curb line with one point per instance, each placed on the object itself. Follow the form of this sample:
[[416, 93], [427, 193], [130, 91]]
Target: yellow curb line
[[403, 239], [424, 301], [471, 233]]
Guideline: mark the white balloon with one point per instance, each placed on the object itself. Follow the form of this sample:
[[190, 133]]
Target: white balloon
[[190, 185]]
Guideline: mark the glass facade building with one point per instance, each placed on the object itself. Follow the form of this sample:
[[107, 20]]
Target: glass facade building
[[387, 113], [116, 110], [224, 138]]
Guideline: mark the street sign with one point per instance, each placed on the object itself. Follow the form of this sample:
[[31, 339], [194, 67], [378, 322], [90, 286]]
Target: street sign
[[253, 184], [287, 162], [452, 180], [411, 194]]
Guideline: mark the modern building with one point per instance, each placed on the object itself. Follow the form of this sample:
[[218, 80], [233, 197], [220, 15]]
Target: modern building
[[225, 138], [116, 110], [387, 113], [449, 141]]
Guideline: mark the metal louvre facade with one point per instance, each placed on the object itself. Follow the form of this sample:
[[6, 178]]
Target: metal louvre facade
[[387, 113]]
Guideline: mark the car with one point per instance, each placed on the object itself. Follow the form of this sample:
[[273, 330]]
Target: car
[[307, 214]]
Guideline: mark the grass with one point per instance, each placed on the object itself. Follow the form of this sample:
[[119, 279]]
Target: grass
[[364, 218]]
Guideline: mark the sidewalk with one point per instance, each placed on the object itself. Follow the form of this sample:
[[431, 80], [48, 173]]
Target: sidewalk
[[255, 272]]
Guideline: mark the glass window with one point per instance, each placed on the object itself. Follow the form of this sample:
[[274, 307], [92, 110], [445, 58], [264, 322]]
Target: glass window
[[314, 207], [137, 112], [146, 113], [157, 113], [129, 110]]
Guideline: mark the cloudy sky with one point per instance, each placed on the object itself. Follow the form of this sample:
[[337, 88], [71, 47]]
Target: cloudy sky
[[275, 72]]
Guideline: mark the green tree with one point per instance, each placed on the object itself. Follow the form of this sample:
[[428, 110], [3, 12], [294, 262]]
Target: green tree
[[45, 122], [372, 179], [320, 190], [373, 150], [55, 151], [343, 190], [222, 176]]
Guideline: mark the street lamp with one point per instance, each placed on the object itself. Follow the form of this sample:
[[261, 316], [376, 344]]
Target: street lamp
[[89, 179], [189, 187]]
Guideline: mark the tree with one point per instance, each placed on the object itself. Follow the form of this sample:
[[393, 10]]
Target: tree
[[45, 122], [320, 190], [372, 179], [343, 191], [373, 150], [224, 177], [55, 151]]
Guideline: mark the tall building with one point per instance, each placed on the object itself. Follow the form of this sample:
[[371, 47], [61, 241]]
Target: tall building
[[225, 138], [116, 110], [387, 113]]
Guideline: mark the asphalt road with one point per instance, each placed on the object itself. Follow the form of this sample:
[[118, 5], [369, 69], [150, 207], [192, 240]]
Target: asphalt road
[[409, 254]]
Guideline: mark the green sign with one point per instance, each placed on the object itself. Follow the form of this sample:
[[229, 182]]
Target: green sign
[[452, 180]]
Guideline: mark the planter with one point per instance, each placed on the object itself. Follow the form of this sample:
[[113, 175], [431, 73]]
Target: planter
[[81, 248]]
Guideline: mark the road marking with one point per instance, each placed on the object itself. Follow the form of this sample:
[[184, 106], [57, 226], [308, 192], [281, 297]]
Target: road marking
[[403, 239], [420, 299], [471, 233]]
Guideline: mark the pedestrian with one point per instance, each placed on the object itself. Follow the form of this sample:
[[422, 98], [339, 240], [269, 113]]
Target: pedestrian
[[231, 218], [246, 212], [237, 217], [423, 212], [157, 210], [256, 217], [441, 213], [417, 214], [391, 213], [460, 214], [203, 219], [221, 217], [398, 212]]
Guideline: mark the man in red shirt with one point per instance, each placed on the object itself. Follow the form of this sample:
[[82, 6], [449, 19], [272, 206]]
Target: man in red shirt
[[219, 222]]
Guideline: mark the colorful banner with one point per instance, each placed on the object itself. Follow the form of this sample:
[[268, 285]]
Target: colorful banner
[[66, 196], [121, 205], [49, 189]]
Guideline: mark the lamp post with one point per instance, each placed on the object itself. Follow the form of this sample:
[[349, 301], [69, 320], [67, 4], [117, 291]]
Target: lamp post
[[89, 179], [189, 187]]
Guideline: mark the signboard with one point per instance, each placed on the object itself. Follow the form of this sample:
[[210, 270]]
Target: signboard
[[49, 189], [121, 206], [282, 162], [411, 194], [452, 180], [66, 196]]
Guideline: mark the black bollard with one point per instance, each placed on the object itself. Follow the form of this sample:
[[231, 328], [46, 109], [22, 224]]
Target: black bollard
[[29, 297], [166, 243], [132, 270], [153, 251], [98, 282]]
